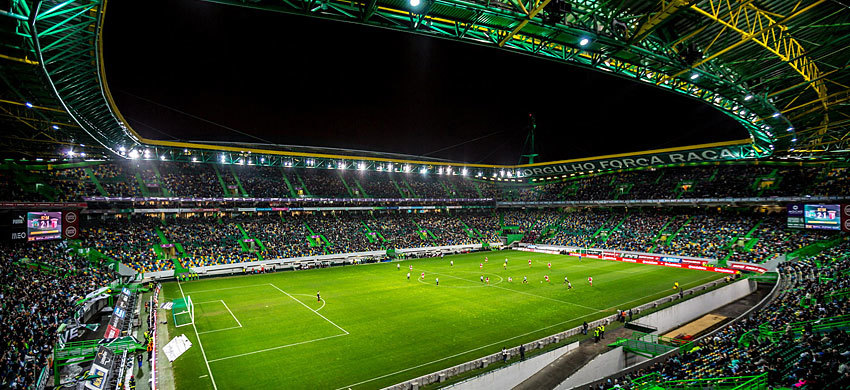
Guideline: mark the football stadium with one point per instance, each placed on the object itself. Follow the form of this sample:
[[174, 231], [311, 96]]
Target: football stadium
[[424, 194]]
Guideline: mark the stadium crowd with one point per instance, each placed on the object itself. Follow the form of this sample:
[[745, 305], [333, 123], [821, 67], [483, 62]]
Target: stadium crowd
[[786, 339], [181, 179], [36, 301]]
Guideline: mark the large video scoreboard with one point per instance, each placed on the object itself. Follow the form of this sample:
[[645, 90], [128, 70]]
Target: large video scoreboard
[[24, 225], [819, 216]]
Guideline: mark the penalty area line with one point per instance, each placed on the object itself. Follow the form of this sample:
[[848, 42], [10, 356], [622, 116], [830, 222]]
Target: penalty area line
[[200, 344], [278, 347], [310, 308]]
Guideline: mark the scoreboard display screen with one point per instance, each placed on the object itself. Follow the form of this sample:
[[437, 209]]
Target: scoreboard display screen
[[44, 226], [822, 216]]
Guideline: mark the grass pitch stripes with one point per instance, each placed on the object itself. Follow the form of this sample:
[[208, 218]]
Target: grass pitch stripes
[[378, 328]]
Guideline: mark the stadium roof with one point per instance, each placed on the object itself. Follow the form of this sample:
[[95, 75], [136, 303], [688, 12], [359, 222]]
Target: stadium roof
[[779, 68]]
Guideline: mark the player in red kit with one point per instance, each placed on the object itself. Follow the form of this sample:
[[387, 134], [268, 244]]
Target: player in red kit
[[590, 280]]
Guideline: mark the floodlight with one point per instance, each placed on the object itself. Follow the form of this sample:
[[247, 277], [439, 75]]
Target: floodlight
[[28, 104], [55, 127], [776, 114], [748, 97], [414, 3], [694, 76], [583, 42], [162, 157], [790, 129], [134, 154]]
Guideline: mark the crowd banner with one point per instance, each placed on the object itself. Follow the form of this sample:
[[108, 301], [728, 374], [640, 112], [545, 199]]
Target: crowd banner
[[723, 151]]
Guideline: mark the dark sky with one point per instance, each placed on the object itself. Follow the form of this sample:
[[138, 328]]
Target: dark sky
[[303, 81]]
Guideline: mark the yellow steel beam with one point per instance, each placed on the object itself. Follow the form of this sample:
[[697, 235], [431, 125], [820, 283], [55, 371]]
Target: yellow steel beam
[[522, 24], [667, 10], [24, 60], [826, 102], [752, 35], [35, 107]]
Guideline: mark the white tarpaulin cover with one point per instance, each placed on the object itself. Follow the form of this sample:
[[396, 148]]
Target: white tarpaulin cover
[[176, 347]]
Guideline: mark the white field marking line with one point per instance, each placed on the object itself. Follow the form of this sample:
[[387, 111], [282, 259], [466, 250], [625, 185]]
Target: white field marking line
[[308, 295], [526, 293], [278, 347], [219, 330], [475, 349], [308, 307], [204, 354], [226, 288], [231, 313], [465, 352]]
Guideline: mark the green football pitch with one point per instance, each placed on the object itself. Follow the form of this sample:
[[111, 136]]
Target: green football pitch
[[374, 327]]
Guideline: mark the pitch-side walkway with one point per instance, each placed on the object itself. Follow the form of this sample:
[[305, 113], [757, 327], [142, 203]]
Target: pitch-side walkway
[[564, 366], [561, 369]]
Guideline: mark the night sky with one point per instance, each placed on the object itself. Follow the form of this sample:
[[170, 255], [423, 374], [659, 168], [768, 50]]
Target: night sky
[[297, 80]]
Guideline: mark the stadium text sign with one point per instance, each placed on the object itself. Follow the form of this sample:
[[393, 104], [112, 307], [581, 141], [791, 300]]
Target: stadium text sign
[[639, 160]]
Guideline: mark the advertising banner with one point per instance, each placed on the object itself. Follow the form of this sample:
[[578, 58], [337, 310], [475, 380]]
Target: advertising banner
[[845, 217], [102, 365]]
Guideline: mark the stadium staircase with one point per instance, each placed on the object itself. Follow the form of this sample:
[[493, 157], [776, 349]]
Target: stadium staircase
[[363, 193], [95, 181], [749, 243], [469, 231], [143, 188], [660, 233], [345, 184], [676, 233], [400, 192], [288, 184], [650, 345], [317, 240], [623, 189], [221, 182], [303, 186], [424, 234], [178, 266], [409, 189], [602, 234], [245, 246], [477, 189], [238, 183], [159, 181], [814, 248], [371, 236]]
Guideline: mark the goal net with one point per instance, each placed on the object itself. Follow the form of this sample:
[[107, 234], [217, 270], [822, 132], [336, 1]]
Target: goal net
[[183, 311]]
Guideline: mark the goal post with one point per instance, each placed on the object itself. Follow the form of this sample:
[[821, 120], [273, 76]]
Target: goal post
[[183, 311]]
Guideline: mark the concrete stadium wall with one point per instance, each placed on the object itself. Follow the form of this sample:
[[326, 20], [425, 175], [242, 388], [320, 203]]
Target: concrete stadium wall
[[617, 360], [289, 263], [611, 361], [514, 374], [442, 375], [678, 315]]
